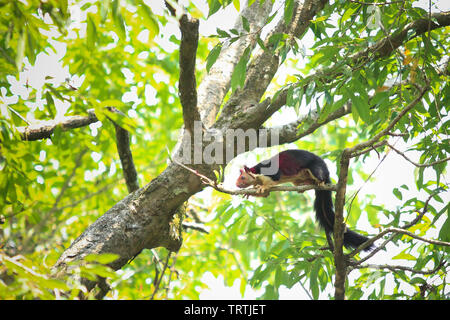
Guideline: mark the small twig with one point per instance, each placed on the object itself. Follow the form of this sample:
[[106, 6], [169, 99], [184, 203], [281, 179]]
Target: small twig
[[126, 158], [45, 218], [192, 213], [402, 268], [353, 197], [378, 248], [412, 235], [19, 115], [195, 226], [159, 278], [376, 3], [172, 270], [396, 231], [419, 165], [398, 134], [424, 210], [306, 291], [372, 253], [382, 133]]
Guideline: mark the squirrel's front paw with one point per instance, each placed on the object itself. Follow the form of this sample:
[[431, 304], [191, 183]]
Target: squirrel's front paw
[[262, 191]]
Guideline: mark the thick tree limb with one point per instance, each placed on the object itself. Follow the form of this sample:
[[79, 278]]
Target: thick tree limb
[[143, 219], [216, 83], [243, 109], [187, 84]]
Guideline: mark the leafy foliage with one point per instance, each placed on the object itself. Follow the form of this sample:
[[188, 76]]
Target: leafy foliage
[[123, 54]]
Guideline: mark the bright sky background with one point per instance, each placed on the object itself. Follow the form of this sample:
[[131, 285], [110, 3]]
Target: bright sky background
[[393, 172]]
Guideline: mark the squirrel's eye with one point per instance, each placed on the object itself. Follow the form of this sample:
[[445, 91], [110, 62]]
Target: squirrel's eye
[[242, 178]]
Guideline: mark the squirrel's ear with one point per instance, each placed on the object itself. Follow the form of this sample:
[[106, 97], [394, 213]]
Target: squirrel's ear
[[241, 171], [247, 169]]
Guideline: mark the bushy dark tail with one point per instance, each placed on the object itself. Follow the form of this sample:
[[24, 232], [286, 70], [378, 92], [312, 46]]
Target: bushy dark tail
[[323, 205], [354, 240]]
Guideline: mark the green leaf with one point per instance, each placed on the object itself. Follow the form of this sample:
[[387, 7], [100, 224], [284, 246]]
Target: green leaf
[[444, 233], [245, 24], [288, 11], [212, 56], [121, 120], [347, 14], [372, 214], [397, 193], [290, 97], [214, 6], [93, 270], [222, 34], [149, 20], [404, 256], [236, 5], [120, 26], [21, 45], [313, 277], [91, 32], [50, 105], [239, 72], [362, 107], [417, 280]]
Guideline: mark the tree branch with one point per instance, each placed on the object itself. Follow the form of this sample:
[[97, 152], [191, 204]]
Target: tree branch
[[402, 268], [145, 218], [195, 226], [339, 229], [187, 84], [289, 133], [419, 165], [340, 260], [215, 85], [125, 154], [376, 3], [369, 143], [126, 158], [386, 46], [406, 226], [424, 210], [261, 71], [44, 129]]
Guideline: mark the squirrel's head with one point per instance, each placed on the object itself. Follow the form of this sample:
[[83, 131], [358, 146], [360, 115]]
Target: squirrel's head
[[246, 178]]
